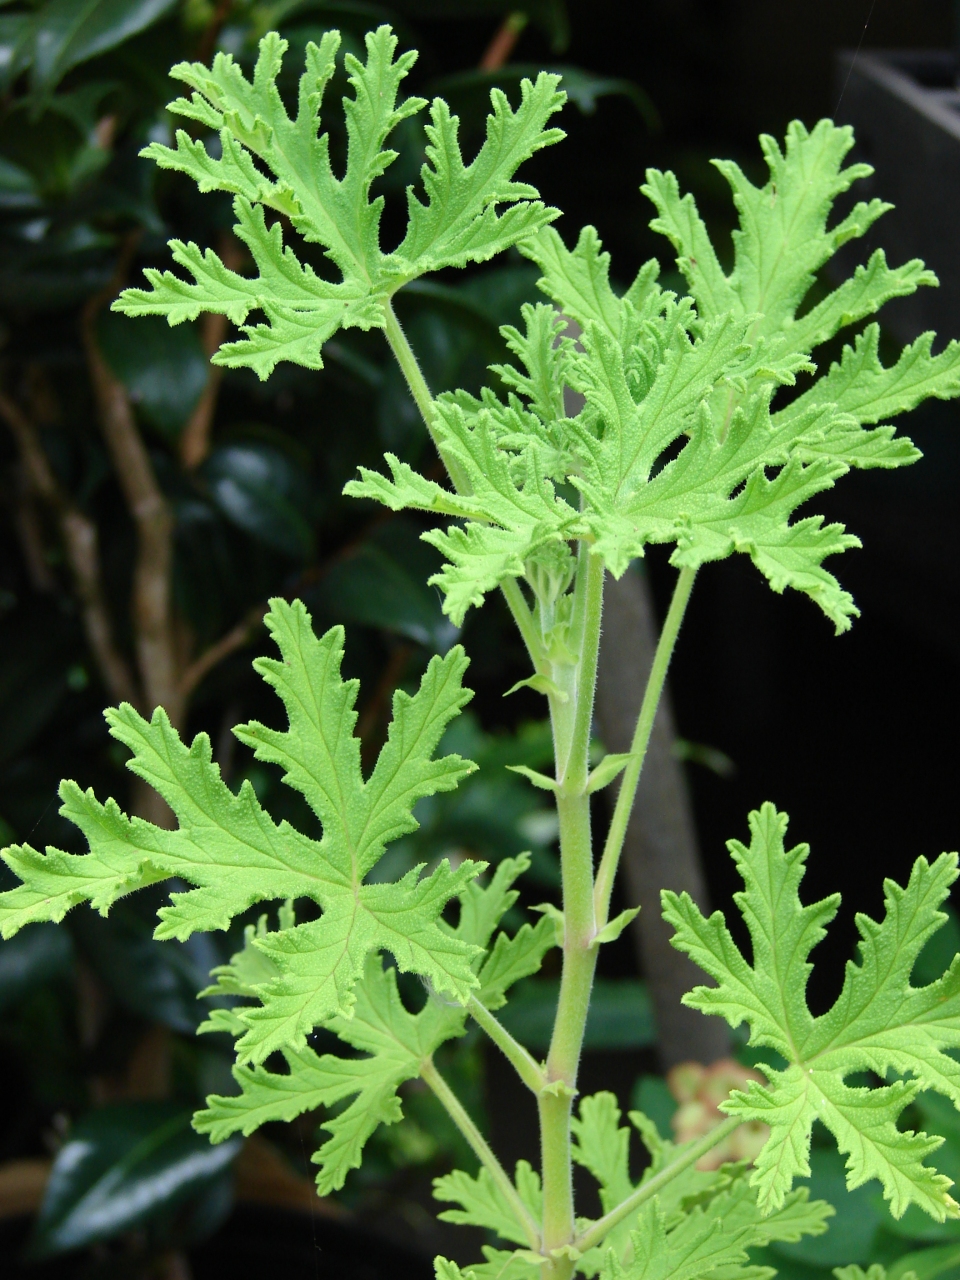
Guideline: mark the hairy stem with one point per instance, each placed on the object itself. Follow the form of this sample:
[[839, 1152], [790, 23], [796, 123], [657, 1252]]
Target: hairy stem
[[481, 1149], [580, 927], [526, 1066], [597, 1231], [638, 747]]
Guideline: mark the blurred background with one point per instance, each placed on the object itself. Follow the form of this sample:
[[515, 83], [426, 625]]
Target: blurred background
[[150, 504]]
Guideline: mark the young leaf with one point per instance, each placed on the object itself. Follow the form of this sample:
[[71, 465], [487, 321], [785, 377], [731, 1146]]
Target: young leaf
[[723, 1195], [235, 855], [879, 1022], [485, 1205], [610, 767], [706, 1239], [272, 162], [394, 1041], [521, 1264]]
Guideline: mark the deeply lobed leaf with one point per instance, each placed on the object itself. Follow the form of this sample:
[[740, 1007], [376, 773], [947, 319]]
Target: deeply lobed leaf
[[270, 161], [234, 854], [879, 1022]]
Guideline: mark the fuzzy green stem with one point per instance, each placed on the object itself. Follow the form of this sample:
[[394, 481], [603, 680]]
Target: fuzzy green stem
[[597, 1231], [526, 1066], [523, 618], [579, 951], [417, 383], [458, 1114], [641, 739]]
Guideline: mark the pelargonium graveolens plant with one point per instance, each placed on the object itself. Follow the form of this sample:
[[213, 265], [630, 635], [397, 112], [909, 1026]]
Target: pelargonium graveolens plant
[[684, 438]]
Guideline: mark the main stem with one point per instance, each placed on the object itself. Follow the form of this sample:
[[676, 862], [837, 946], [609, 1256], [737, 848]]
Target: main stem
[[585, 903], [571, 724]]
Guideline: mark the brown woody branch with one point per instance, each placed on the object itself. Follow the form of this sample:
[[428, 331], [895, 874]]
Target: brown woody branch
[[81, 544], [501, 47], [229, 643], [152, 603], [195, 437]]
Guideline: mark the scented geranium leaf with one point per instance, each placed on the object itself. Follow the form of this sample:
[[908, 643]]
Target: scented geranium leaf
[[459, 222], [395, 1041], [879, 1022], [711, 1237], [602, 1146], [512, 958], [521, 1264], [235, 855], [543, 354], [270, 161], [483, 1204], [783, 239], [578, 280], [512, 511], [681, 439], [859, 385], [395, 1044]]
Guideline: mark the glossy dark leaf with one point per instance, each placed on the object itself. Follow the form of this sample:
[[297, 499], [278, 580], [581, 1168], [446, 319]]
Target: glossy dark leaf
[[262, 491], [68, 32], [163, 369], [36, 278], [39, 954], [15, 30], [621, 1015], [383, 584], [123, 1167], [157, 980]]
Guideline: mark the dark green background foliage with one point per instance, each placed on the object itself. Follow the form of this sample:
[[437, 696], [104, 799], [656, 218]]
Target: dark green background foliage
[[96, 1018]]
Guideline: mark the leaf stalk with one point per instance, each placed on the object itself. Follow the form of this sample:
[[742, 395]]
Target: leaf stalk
[[641, 740], [478, 1144], [526, 1066]]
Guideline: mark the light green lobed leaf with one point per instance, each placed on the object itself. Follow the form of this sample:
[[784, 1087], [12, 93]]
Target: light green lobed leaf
[[484, 1204], [500, 1264], [711, 1239], [602, 1146], [682, 438], [396, 1042], [880, 1022], [703, 1222], [272, 162], [230, 849]]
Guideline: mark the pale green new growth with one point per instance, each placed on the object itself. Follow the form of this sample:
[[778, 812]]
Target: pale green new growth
[[879, 1022], [458, 222], [236, 855], [705, 426]]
